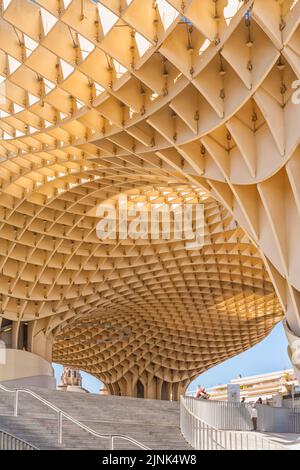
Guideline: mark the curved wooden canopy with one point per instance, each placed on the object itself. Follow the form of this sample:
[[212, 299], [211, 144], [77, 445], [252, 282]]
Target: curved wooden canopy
[[168, 98]]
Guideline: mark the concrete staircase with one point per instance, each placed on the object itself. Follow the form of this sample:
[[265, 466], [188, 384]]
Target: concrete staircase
[[154, 423]]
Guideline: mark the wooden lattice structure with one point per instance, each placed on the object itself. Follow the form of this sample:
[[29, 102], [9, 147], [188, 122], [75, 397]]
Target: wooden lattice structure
[[168, 100]]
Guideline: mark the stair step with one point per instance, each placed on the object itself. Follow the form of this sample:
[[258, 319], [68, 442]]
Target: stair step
[[152, 422]]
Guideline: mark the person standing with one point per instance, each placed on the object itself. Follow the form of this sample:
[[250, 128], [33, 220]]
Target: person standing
[[254, 416]]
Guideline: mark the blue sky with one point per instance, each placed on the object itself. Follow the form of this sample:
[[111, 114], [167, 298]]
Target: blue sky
[[268, 356]]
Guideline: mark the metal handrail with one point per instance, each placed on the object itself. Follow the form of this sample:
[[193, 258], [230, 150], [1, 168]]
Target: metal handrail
[[235, 416], [223, 415], [21, 443], [210, 433], [62, 414]]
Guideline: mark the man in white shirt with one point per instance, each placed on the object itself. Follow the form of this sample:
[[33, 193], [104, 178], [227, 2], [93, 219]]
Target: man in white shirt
[[254, 416]]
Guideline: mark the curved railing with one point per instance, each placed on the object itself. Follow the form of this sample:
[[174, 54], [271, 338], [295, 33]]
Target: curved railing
[[10, 442], [224, 415], [62, 414], [202, 436], [233, 416]]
